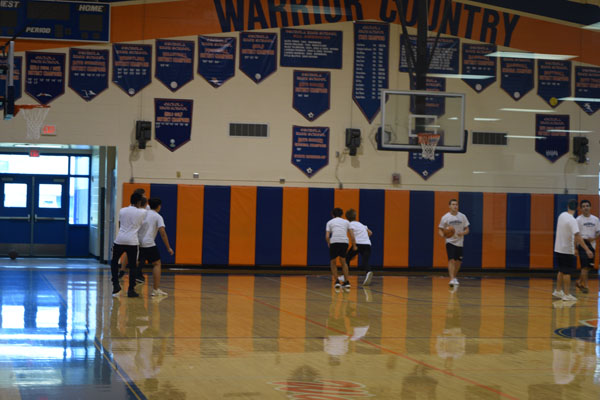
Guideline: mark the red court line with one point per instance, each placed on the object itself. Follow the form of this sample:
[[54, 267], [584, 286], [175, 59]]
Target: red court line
[[443, 371]]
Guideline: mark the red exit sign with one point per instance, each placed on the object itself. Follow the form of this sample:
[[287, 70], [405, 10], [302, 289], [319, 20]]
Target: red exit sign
[[34, 153]]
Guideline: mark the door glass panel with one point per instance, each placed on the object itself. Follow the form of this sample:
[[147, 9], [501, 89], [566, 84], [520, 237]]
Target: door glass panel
[[15, 195], [79, 200], [50, 195], [80, 165]]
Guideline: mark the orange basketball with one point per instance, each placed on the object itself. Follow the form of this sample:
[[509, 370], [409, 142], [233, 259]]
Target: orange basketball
[[449, 231]]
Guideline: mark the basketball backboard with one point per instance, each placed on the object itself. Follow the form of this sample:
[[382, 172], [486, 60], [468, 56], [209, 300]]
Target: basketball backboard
[[407, 114]]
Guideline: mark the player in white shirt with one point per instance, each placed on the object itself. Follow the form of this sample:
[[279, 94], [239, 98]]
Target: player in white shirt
[[140, 277], [153, 224], [130, 221], [454, 244], [361, 244], [567, 234], [336, 235], [589, 227]]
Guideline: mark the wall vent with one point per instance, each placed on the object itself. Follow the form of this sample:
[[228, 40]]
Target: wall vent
[[250, 130], [493, 138]]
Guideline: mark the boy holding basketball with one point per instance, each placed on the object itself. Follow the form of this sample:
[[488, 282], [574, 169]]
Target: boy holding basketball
[[454, 226], [336, 235]]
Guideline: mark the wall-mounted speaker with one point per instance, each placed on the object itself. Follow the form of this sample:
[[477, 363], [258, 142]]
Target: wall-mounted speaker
[[143, 133], [352, 140]]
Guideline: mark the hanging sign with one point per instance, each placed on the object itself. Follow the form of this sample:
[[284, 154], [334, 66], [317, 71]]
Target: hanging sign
[[423, 166], [312, 90], [173, 122], [132, 67], [174, 62], [310, 148], [216, 59], [44, 76], [303, 48], [445, 57], [552, 135], [258, 55], [475, 62], [587, 86], [88, 72], [554, 81]]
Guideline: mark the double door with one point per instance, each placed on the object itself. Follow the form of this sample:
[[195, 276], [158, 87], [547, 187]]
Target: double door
[[34, 215]]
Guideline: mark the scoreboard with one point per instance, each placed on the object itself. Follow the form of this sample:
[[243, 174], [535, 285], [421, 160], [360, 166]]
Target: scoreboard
[[55, 20]]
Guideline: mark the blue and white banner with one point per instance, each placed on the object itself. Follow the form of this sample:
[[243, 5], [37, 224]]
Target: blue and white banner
[[554, 81], [302, 48], [423, 166], [371, 59], [216, 59], [434, 105], [44, 76], [132, 67], [445, 58], [173, 122], [17, 80], [310, 148], [552, 135], [88, 72], [312, 91], [258, 55], [516, 76], [174, 62], [475, 62], [587, 86]]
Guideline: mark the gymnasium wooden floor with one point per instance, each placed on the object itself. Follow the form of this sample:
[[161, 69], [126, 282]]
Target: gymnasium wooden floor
[[233, 336]]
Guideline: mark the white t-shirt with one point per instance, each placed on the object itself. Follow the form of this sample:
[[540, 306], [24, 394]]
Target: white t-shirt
[[130, 221], [339, 230], [361, 235], [566, 228], [459, 222], [152, 223], [589, 228]]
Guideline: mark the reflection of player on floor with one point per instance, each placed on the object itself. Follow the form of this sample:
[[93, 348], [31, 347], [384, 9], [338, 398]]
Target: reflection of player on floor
[[130, 220], [153, 224], [454, 244], [360, 244], [336, 235], [567, 232], [589, 227]]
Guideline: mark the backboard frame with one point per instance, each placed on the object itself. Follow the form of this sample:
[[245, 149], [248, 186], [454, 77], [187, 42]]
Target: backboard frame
[[441, 148]]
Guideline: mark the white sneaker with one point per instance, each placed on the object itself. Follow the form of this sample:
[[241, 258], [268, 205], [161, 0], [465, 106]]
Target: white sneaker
[[454, 282], [558, 293], [569, 297], [368, 278], [158, 292]]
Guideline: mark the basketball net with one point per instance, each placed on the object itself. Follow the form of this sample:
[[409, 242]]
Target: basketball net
[[428, 142], [34, 115]]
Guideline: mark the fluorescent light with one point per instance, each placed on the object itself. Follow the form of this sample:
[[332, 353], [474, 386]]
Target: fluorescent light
[[453, 118], [531, 110], [532, 56], [479, 172], [460, 76], [486, 119], [587, 176], [592, 27], [585, 99], [569, 130], [525, 137]]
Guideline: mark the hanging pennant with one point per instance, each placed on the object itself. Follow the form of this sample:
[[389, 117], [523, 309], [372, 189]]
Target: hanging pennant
[[554, 81], [312, 92], [174, 63], [88, 72], [552, 135], [258, 55], [587, 86], [216, 59], [173, 122], [44, 76], [310, 148], [476, 63], [516, 76], [132, 67]]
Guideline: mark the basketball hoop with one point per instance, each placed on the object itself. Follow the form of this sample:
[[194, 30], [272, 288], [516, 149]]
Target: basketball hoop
[[34, 115], [428, 141]]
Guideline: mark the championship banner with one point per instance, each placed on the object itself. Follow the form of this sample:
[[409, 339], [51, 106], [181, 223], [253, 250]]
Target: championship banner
[[587, 86], [552, 135], [44, 76], [371, 59], [312, 91], [258, 55], [554, 81], [434, 105], [132, 67], [302, 48], [18, 63], [423, 166], [174, 62], [516, 76], [173, 122], [310, 148], [445, 58], [475, 62], [88, 72], [216, 59]]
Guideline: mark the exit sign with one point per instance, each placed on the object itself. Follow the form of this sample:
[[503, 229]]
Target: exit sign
[[34, 153]]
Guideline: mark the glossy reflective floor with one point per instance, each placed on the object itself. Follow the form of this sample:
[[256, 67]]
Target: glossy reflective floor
[[63, 336]]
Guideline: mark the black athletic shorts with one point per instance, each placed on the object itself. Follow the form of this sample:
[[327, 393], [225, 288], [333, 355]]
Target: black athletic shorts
[[337, 250], [583, 258], [454, 252], [567, 263], [149, 254]]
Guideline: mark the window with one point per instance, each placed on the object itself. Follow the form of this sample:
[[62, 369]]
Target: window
[[80, 165], [42, 165], [50, 195], [15, 195], [78, 201]]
